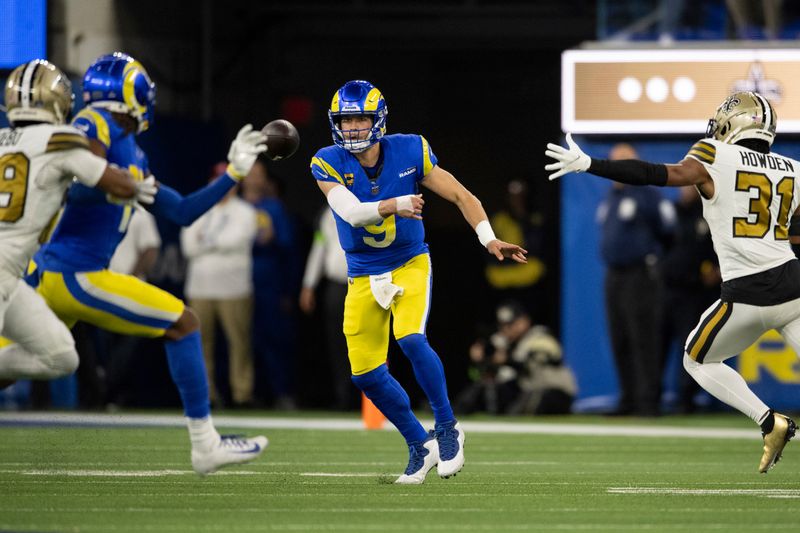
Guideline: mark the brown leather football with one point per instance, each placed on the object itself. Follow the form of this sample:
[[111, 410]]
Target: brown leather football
[[282, 139]]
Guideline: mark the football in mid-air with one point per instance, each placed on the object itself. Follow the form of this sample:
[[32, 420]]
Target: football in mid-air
[[282, 139]]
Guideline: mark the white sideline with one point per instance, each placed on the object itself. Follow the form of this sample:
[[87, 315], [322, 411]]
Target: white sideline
[[680, 491], [338, 424]]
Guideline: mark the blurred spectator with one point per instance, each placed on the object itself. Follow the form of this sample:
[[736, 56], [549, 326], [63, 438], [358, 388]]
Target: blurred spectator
[[275, 290], [635, 224], [546, 385], [755, 19], [138, 250], [510, 280], [493, 383], [17, 396], [326, 262], [519, 370], [670, 15], [691, 284], [219, 286]]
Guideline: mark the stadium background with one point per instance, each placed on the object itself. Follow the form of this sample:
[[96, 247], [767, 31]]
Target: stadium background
[[480, 79]]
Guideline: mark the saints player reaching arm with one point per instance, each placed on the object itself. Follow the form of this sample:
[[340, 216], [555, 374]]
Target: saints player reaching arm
[[371, 182], [748, 195]]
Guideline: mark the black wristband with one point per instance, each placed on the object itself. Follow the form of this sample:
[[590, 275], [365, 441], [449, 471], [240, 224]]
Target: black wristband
[[630, 171]]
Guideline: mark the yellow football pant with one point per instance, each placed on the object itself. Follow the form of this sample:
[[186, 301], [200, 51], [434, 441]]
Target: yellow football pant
[[366, 324]]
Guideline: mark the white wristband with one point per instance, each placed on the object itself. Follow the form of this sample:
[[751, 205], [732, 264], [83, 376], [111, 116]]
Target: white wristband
[[485, 232], [404, 203]]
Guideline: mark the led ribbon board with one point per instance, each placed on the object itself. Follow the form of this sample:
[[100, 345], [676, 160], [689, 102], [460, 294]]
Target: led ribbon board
[[672, 91], [23, 32]]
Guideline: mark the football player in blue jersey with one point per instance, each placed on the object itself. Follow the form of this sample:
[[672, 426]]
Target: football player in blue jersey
[[371, 182], [71, 270]]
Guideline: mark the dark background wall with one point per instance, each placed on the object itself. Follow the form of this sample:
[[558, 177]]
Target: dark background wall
[[479, 79]]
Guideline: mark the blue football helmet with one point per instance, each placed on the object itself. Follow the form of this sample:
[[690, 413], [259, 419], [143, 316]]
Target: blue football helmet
[[358, 97], [119, 83]]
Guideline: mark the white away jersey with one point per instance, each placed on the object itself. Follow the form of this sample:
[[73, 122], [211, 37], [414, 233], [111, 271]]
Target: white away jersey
[[37, 164], [754, 198]]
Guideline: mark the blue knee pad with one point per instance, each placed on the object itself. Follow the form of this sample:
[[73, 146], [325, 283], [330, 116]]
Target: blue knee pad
[[429, 372], [388, 396]]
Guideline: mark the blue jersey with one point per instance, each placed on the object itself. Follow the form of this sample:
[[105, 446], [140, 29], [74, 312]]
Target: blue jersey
[[271, 261], [379, 248], [90, 227]]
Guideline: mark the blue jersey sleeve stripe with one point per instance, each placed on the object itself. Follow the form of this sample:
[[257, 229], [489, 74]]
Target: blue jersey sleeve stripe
[[427, 162], [87, 299], [98, 127], [324, 171]]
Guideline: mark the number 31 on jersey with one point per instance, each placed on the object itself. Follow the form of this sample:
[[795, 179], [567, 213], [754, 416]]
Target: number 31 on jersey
[[760, 206]]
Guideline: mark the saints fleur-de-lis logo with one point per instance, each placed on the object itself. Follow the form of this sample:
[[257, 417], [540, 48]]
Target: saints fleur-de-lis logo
[[757, 81], [730, 103]]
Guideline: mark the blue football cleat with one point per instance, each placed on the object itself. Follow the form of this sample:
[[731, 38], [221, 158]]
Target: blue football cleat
[[422, 456], [451, 448]]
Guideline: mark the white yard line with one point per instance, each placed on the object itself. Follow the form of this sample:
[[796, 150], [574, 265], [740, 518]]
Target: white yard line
[[343, 474], [680, 491], [122, 473], [536, 428], [382, 526]]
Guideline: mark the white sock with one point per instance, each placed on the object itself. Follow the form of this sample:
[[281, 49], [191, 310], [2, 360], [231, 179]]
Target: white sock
[[728, 386], [202, 432]]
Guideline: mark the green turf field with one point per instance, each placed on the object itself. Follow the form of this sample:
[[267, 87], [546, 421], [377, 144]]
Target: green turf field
[[72, 479]]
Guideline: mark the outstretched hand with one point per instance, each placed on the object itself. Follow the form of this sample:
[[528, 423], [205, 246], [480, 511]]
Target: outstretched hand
[[501, 250], [571, 159], [244, 150]]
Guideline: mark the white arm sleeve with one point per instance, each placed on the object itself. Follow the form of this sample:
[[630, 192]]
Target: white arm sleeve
[[83, 164], [357, 214]]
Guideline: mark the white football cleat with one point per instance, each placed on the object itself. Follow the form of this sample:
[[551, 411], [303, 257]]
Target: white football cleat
[[422, 457], [451, 448], [229, 450]]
